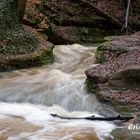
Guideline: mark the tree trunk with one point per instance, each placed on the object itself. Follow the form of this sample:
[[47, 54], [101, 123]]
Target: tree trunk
[[127, 15], [21, 5]]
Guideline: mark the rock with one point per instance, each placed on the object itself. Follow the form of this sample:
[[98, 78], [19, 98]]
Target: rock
[[75, 22], [124, 101], [117, 82], [20, 46], [115, 11], [116, 45], [28, 55], [71, 34], [120, 65], [125, 134], [82, 21]]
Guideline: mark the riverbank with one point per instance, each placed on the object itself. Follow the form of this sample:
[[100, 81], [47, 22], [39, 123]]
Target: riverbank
[[116, 80]]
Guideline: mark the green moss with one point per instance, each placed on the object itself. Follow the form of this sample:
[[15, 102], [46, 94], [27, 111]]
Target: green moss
[[34, 59], [8, 18], [99, 57], [94, 35], [17, 42], [91, 86], [99, 53]]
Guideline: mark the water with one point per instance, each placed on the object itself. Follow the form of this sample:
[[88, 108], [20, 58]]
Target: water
[[57, 88]]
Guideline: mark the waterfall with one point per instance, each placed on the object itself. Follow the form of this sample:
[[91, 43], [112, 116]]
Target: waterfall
[[57, 88]]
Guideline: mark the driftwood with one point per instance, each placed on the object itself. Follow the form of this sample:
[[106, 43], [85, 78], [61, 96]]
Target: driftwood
[[93, 118]]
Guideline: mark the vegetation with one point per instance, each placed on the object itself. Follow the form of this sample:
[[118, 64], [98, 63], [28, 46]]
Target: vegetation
[[20, 46]]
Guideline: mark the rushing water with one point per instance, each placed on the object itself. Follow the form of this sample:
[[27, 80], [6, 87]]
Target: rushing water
[[57, 88]]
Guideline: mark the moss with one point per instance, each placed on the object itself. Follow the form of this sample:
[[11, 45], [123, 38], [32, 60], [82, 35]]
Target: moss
[[91, 86], [17, 42], [99, 53], [20, 46], [34, 59], [8, 18], [99, 57], [94, 35]]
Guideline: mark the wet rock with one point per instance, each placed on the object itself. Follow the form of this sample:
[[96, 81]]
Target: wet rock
[[116, 45], [124, 101], [125, 134]]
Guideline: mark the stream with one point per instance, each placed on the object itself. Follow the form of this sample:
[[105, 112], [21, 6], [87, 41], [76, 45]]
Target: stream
[[28, 96]]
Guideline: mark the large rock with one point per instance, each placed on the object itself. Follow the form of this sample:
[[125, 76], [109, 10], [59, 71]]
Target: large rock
[[33, 54], [117, 81], [116, 45], [71, 34], [76, 22], [121, 67], [33, 17], [93, 15], [115, 10]]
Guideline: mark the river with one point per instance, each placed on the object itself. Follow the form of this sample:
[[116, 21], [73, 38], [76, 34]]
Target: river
[[29, 96]]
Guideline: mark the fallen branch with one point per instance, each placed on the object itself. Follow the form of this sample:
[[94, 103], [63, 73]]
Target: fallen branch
[[93, 118]]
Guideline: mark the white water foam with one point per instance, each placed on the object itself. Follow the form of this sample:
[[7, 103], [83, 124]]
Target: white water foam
[[40, 115], [58, 86]]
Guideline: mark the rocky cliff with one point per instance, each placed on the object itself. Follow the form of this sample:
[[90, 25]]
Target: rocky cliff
[[86, 20]]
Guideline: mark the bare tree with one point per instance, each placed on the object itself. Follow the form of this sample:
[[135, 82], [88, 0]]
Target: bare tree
[[127, 16]]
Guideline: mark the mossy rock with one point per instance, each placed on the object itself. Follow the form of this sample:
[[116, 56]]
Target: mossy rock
[[37, 58], [27, 49], [103, 52]]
